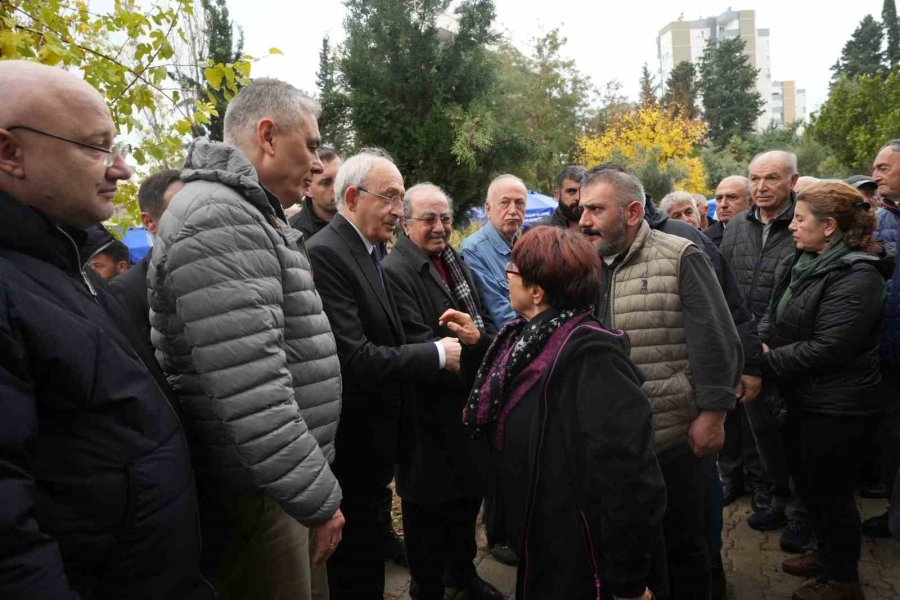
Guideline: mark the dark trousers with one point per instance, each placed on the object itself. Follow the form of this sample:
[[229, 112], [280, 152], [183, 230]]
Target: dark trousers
[[890, 431], [356, 569], [439, 537], [767, 433], [739, 461], [825, 456], [685, 522]]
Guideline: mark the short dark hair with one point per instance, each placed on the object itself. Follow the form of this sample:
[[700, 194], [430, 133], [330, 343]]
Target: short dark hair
[[572, 173], [117, 251], [152, 190], [627, 186], [562, 262], [327, 154]]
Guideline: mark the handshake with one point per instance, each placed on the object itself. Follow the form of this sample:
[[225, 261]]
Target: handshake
[[466, 331]]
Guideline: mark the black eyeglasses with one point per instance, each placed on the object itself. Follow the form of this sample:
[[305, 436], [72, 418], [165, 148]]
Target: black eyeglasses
[[390, 199], [112, 152], [511, 269], [430, 220]]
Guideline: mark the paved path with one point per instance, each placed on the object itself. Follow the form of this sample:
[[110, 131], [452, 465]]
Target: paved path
[[752, 563]]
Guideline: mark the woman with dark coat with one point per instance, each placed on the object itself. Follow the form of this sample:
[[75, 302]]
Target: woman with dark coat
[[570, 430], [821, 338]]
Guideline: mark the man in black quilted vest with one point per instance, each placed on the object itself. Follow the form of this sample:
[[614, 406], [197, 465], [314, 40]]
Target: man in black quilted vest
[[755, 241]]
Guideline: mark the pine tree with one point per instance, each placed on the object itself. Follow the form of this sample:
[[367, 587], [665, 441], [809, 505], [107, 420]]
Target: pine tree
[[862, 54], [731, 102], [334, 122], [221, 49], [648, 87], [891, 25], [681, 90]]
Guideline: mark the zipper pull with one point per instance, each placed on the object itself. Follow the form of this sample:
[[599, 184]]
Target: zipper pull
[[89, 285]]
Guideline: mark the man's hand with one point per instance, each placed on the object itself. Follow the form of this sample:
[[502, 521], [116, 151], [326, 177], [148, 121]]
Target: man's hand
[[452, 350], [748, 389], [328, 536], [707, 432], [462, 325]]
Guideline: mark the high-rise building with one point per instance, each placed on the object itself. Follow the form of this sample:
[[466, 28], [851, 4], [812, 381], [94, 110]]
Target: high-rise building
[[788, 103], [682, 40]]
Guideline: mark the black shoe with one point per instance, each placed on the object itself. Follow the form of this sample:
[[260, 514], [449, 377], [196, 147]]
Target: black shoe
[[718, 589], [731, 492], [479, 589], [873, 490], [394, 550], [504, 554], [760, 500], [796, 537], [770, 519], [876, 527]]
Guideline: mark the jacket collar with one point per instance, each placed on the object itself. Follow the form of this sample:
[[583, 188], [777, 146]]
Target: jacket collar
[[639, 241], [29, 231], [495, 239], [222, 163]]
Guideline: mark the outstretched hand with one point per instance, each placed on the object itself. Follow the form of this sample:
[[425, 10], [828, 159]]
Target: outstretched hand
[[461, 325]]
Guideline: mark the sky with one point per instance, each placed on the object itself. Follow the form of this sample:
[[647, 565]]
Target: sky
[[607, 40]]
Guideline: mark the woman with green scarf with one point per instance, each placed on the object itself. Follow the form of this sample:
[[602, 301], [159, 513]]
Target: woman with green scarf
[[821, 346]]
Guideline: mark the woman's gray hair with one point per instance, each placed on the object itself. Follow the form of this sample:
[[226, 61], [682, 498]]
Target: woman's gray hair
[[426, 187], [266, 98], [676, 198], [354, 172]]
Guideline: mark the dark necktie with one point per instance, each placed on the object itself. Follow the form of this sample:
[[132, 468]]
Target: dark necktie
[[376, 260]]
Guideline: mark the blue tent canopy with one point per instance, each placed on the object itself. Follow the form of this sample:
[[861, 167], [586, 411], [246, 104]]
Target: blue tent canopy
[[139, 242], [537, 207]]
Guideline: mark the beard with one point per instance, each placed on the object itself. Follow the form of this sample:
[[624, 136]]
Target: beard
[[610, 243], [571, 213]]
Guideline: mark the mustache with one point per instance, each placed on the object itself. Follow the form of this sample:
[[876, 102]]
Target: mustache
[[437, 236], [591, 232]]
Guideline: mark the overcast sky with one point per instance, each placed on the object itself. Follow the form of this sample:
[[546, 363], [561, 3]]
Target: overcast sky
[[607, 40]]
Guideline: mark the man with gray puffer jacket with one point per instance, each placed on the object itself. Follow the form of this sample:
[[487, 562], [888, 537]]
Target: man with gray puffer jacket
[[240, 332]]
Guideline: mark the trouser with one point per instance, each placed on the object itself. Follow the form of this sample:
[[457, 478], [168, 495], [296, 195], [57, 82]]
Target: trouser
[[439, 537], [714, 523], [739, 461], [825, 457], [890, 431], [685, 522], [266, 555], [767, 433], [356, 569]]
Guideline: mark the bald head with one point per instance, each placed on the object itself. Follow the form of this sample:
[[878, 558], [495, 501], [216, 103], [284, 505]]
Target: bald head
[[56, 136], [505, 205], [772, 176]]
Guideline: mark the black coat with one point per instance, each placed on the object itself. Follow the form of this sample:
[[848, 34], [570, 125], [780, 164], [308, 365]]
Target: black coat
[[438, 461], [755, 264], [596, 493], [306, 220], [95, 479], [377, 364], [824, 345], [715, 232]]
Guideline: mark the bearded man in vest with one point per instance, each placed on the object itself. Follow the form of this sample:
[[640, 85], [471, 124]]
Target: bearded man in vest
[[662, 291]]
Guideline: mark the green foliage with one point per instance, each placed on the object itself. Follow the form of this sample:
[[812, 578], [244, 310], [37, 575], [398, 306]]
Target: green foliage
[[891, 25], [680, 96], [731, 103], [858, 117], [657, 175], [124, 52], [862, 53], [334, 122]]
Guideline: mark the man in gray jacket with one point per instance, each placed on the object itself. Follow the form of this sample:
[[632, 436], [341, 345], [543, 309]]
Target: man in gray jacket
[[240, 332]]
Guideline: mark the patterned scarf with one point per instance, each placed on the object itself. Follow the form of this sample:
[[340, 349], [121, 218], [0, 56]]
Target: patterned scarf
[[460, 287], [514, 363]]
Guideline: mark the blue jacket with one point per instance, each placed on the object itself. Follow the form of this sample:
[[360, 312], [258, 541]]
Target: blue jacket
[[486, 253], [889, 233]]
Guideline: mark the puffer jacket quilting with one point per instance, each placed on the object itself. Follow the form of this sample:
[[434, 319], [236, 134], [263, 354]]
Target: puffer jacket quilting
[[240, 332], [889, 234]]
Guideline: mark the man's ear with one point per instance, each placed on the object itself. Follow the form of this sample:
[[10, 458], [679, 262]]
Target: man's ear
[[634, 212], [265, 136], [122, 266], [351, 197], [10, 156]]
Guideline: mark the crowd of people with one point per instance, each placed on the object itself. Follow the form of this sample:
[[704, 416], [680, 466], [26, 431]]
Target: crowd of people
[[302, 334]]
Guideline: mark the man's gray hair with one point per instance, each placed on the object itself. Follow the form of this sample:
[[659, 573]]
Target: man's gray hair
[[627, 187], [354, 172], [788, 158], [675, 199], [500, 178], [266, 98], [420, 189], [894, 145], [745, 182]]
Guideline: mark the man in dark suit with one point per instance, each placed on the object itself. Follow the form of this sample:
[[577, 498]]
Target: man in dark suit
[[378, 363], [439, 472]]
